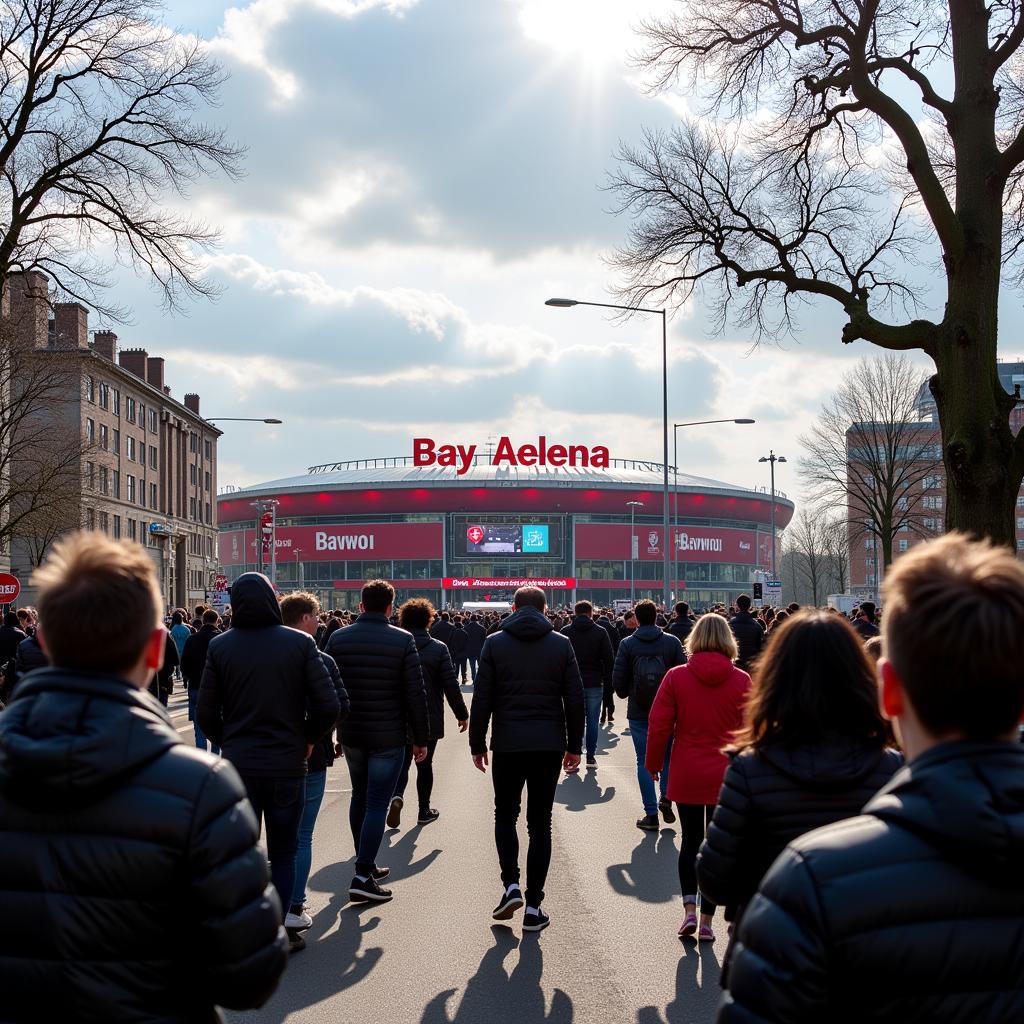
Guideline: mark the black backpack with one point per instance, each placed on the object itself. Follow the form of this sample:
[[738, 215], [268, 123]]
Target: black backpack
[[648, 672]]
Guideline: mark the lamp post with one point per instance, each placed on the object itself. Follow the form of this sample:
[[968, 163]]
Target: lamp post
[[299, 569], [675, 473], [565, 304], [240, 419], [633, 506], [261, 506], [772, 458]]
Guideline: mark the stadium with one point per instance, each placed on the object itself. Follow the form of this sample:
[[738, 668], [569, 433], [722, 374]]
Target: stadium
[[476, 528]]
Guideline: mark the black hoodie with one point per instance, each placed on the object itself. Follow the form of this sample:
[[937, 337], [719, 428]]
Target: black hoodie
[[529, 683], [265, 694], [593, 651], [911, 912], [128, 860]]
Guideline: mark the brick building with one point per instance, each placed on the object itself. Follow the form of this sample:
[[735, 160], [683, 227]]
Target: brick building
[[928, 492], [146, 462]]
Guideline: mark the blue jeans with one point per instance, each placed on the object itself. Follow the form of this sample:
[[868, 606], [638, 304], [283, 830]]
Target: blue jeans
[[474, 661], [594, 698], [193, 697], [315, 783], [374, 775], [638, 730]]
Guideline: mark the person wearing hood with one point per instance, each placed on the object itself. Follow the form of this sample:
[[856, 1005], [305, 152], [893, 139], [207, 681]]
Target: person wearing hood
[[530, 695], [913, 910], [594, 656], [266, 699], [812, 750], [640, 665], [134, 889], [698, 708], [193, 661], [441, 683], [475, 636], [748, 631]]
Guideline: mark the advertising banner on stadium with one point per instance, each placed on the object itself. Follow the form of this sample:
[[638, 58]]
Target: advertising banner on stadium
[[471, 583], [362, 541], [693, 543]]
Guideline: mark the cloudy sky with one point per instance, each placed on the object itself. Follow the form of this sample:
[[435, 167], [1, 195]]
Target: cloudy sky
[[421, 175]]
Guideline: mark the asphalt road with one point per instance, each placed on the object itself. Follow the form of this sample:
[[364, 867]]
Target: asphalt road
[[433, 955]]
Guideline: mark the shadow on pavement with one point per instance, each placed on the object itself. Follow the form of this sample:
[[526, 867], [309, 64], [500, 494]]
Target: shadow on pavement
[[397, 853], [644, 877], [576, 792], [495, 996], [695, 998]]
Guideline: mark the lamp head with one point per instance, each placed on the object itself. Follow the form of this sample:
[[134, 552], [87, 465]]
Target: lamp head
[[744, 421], [781, 458], [762, 459], [561, 303], [273, 421]]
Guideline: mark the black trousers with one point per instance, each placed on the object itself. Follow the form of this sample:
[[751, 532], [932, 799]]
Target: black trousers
[[279, 803], [424, 776], [538, 771], [693, 820], [608, 703]]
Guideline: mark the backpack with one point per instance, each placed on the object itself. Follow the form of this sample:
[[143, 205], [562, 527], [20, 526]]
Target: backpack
[[648, 672]]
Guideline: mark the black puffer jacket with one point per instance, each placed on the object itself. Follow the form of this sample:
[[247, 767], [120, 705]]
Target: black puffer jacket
[[193, 654], [132, 888], [680, 628], [593, 651], [382, 674], [613, 634], [442, 630], [772, 796], [265, 694], [475, 636], [457, 643], [440, 681], [649, 641], [912, 913], [27, 658], [749, 638], [529, 683]]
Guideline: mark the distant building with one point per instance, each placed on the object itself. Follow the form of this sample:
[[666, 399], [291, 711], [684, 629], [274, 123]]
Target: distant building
[[145, 463]]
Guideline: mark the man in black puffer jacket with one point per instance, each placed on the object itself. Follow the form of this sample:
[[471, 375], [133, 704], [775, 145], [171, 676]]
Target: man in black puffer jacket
[[913, 913], [265, 699], [529, 692], [441, 685], [133, 889], [594, 657], [193, 661], [387, 704], [748, 632]]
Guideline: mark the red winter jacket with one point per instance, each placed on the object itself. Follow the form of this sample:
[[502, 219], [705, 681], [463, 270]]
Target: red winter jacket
[[699, 705]]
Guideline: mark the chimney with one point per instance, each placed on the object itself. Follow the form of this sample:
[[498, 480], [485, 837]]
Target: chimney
[[30, 307], [155, 372], [167, 389], [192, 403], [105, 344], [134, 360], [72, 325]]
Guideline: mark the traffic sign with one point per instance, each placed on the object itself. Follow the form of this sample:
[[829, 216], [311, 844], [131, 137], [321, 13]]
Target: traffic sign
[[220, 582], [10, 588], [773, 591]]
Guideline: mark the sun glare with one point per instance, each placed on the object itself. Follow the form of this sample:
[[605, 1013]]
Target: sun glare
[[597, 33]]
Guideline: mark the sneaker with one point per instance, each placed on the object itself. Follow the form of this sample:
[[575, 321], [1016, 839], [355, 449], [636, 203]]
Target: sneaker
[[705, 934], [395, 812], [296, 943], [379, 874], [368, 892], [428, 815], [688, 927], [604, 718], [536, 922], [591, 761], [298, 921], [649, 823], [665, 806], [511, 901]]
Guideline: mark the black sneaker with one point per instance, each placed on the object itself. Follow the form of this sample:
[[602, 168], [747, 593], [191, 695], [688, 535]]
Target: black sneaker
[[379, 874], [395, 812], [368, 892], [649, 823], [296, 943], [511, 901], [536, 922], [665, 806], [428, 815], [591, 761]]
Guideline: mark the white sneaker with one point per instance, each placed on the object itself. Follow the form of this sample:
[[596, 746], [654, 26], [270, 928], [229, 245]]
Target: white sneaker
[[302, 920]]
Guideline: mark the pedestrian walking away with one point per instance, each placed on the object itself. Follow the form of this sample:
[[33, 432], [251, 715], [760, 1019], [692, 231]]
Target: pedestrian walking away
[[529, 694], [193, 661], [594, 657]]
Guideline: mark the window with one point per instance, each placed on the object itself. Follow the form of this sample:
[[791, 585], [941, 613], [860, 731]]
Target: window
[[208, 450], [104, 396], [1020, 545], [90, 392], [142, 415], [933, 483], [142, 453], [931, 524], [152, 456], [191, 508], [90, 475], [104, 522], [209, 516], [129, 481], [869, 560], [152, 496], [206, 483], [901, 504], [132, 529], [104, 437], [116, 484], [129, 448], [152, 421], [869, 543], [116, 395], [129, 409], [933, 501], [1020, 523], [117, 528], [116, 446], [104, 480], [903, 545], [193, 441], [193, 474], [90, 432], [870, 578], [1020, 501], [90, 518]]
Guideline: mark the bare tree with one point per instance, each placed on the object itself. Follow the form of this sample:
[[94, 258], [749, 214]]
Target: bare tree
[[806, 537], [829, 153], [870, 453], [836, 542]]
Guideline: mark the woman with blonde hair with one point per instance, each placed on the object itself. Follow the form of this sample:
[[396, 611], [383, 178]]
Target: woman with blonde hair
[[699, 706]]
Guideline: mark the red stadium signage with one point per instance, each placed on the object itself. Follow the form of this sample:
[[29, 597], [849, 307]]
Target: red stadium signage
[[427, 452], [10, 588], [693, 543], [471, 583], [362, 541]]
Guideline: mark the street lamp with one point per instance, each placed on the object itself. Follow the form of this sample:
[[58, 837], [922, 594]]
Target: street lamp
[[633, 506], [565, 304], [299, 568], [675, 473], [239, 419], [772, 458]]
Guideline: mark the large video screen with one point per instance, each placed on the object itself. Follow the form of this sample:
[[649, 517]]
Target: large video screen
[[505, 539]]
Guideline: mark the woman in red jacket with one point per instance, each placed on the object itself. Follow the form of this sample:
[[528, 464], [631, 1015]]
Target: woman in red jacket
[[700, 706]]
